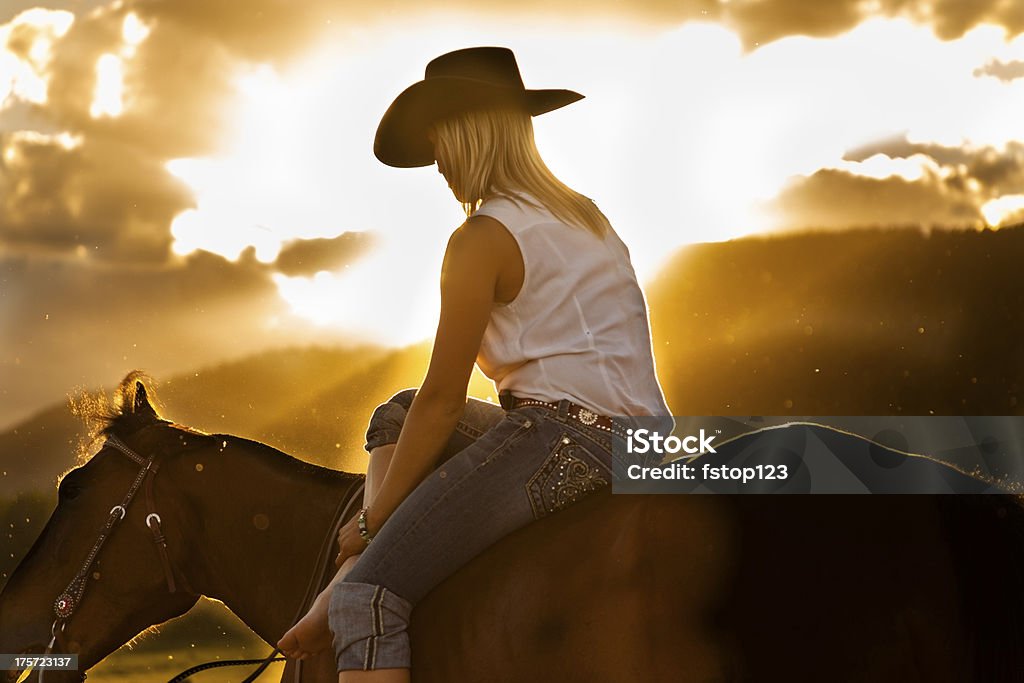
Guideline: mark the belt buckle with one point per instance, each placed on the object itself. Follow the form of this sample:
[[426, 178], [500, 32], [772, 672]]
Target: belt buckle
[[587, 417]]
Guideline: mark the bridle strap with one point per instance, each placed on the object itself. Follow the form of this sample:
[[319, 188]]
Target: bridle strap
[[153, 521], [70, 598], [115, 442], [67, 602]]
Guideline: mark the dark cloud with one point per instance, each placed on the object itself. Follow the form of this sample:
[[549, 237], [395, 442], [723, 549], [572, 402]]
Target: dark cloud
[[110, 193], [12, 8], [69, 322], [176, 86], [101, 195], [762, 21], [969, 178], [269, 29], [306, 257], [833, 199], [113, 194], [1004, 71], [1002, 172], [897, 146], [997, 171]]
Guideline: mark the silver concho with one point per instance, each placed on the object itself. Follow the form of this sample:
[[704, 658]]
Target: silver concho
[[587, 417]]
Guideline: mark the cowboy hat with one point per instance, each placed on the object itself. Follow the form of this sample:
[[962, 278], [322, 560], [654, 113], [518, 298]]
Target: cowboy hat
[[471, 78]]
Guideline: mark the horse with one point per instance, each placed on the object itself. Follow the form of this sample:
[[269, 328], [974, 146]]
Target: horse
[[614, 588]]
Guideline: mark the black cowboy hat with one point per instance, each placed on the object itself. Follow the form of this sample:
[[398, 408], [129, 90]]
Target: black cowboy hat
[[471, 78]]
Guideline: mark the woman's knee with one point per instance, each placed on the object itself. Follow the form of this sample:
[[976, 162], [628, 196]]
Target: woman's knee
[[404, 397], [387, 420]]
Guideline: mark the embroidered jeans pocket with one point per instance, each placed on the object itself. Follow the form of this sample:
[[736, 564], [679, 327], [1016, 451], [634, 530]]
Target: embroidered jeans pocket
[[569, 473]]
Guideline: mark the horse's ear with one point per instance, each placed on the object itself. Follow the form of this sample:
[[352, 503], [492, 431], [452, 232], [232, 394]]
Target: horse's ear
[[141, 405]]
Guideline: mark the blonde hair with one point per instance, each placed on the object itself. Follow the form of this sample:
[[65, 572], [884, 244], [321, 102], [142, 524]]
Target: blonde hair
[[492, 152]]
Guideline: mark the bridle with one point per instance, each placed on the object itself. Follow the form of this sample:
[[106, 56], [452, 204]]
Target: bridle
[[71, 597]]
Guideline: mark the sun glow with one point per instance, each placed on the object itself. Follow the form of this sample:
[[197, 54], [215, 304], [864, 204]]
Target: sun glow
[[133, 31], [880, 166], [273, 183], [1004, 210], [109, 93], [344, 299], [682, 138], [24, 77], [107, 99]]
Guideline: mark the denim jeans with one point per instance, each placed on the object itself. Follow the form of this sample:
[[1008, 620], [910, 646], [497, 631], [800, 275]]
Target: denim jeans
[[501, 470]]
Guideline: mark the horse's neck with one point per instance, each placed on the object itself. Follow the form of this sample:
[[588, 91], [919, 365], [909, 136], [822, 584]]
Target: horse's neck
[[264, 531]]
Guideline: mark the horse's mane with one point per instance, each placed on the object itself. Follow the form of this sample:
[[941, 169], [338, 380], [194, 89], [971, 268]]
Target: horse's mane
[[105, 415], [118, 414]]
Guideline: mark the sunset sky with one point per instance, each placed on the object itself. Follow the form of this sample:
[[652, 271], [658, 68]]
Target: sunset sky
[[188, 181]]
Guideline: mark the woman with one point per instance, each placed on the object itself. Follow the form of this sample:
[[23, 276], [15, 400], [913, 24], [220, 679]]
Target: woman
[[537, 288]]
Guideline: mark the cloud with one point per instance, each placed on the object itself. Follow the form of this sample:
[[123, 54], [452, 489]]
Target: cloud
[[1004, 71], [955, 187], [66, 194], [835, 199], [762, 21], [991, 172], [112, 192], [72, 179], [270, 29], [68, 321], [898, 146], [307, 257]]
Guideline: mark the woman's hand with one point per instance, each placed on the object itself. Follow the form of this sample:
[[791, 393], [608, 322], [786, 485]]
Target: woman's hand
[[349, 541]]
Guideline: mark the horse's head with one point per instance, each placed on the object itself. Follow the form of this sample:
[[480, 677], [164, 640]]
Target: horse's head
[[127, 584]]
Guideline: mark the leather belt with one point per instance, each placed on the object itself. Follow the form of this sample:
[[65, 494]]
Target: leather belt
[[577, 412]]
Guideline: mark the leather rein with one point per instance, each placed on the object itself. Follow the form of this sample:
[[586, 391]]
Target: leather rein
[[71, 597]]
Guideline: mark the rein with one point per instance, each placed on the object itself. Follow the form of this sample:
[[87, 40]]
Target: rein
[[341, 514], [71, 597]]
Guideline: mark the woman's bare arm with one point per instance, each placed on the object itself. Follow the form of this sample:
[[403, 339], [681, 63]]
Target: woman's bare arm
[[472, 263]]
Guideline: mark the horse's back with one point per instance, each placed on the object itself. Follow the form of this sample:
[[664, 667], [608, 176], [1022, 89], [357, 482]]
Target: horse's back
[[612, 588], [696, 587]]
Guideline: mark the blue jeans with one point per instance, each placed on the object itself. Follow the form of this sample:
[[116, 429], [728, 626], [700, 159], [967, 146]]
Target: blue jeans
[[501, 470]]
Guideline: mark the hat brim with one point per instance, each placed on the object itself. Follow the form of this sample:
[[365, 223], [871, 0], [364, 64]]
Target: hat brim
[[401, 139]]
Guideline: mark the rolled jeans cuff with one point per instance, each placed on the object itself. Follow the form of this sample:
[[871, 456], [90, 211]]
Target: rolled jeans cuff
[[385, 425], [370, 626]]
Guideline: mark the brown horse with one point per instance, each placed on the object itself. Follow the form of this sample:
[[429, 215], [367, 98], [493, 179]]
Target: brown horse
[[614, 588]]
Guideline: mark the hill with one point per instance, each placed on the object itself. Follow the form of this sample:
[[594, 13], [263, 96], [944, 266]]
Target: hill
[[862, 322]]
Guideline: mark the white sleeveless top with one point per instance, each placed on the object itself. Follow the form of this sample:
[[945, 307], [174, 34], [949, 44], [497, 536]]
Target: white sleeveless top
[[578, 328]]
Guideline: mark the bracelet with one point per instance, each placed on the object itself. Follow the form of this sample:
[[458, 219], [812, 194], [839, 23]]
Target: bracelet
[[363, 531]]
